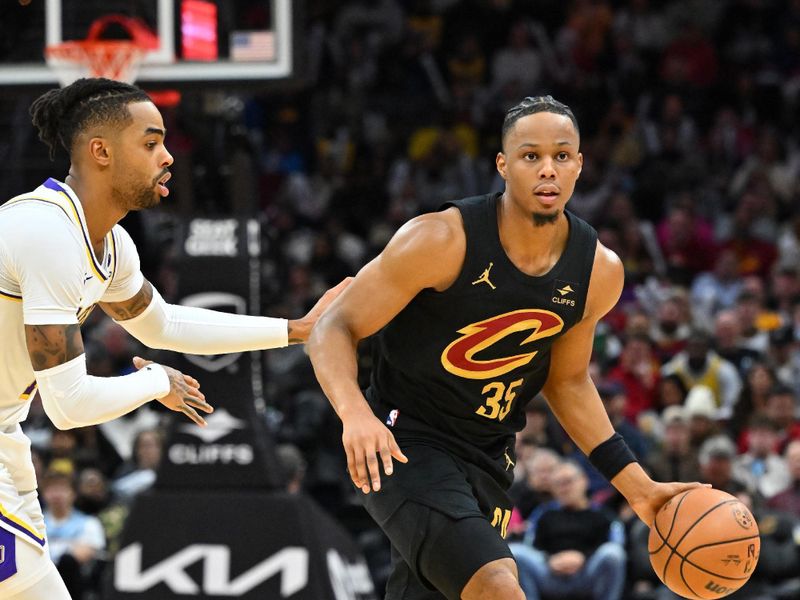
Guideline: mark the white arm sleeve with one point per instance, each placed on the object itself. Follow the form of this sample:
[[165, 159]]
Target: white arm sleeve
[[71, 398], [201, 331]]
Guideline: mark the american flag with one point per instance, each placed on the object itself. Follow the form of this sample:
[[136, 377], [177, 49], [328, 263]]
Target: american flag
[[252, 45]]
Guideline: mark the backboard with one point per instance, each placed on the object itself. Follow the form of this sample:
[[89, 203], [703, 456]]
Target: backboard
[[200, 41]]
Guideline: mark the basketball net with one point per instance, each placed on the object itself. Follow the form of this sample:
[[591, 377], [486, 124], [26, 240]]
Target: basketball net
[[98, 57]]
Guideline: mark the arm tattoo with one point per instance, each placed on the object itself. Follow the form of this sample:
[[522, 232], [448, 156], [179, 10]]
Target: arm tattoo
[[52, 345], [122, 311]]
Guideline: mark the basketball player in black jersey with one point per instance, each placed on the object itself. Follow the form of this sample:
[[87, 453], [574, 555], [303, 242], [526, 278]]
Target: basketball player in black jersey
[[479, 306]]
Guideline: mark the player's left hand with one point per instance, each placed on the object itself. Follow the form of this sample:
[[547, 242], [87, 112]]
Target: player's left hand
[[184, 393], [648, 504]]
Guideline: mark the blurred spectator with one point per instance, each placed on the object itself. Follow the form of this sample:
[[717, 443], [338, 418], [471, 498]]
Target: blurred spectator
[[784, 354], [577, 549], [716, 458], [670, 329], [637, 371], [789, 499], [671, 392], [541, 428], [717, 289], [727, 342], [379, 22], [646, 23], [749, 307], [293, 467], [700, 410], [74, 538], [771, 162], [687, 244], [674, 460], [700, 365], [759, 381], [781, 409], [63, 451], [517, 63], [784, 290], [690, 60], [92, 492], [535, 489], [139, 474], [466, 67], [615, 401], [755, 254], [760, 467], [730, 140], [789, 241], [672, 122]]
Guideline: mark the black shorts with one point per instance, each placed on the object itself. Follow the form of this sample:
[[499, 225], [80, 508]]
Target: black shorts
[[444, 518]]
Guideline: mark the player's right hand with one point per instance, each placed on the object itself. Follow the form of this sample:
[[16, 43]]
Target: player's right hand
[[364, 438], [184, 393], [656, 496]]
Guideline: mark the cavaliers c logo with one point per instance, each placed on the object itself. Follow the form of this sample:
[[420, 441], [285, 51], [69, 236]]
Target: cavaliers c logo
[[458, 359]]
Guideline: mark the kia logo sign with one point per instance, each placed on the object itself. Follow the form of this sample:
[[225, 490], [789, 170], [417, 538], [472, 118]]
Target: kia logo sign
[[291, 564], [224, 302]]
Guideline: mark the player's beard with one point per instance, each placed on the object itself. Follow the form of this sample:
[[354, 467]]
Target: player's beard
[[542, 219], [137, 196], [146, 198]]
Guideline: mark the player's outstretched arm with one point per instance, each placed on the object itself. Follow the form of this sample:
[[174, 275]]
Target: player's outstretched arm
[[426, 252], [157, 324], [72, 398], [51, 276], [574, 400]]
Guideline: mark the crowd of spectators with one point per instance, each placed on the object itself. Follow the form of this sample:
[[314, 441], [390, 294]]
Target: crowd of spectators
[[689, 124]]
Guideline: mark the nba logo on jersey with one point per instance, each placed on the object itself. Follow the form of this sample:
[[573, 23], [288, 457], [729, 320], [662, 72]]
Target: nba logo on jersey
[[392, 418]]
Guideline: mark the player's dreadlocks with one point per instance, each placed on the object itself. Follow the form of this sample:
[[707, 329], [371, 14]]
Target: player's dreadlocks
[[536, 104], [61, 114]]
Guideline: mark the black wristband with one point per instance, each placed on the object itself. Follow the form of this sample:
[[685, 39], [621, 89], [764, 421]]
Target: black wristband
[[611, 456]]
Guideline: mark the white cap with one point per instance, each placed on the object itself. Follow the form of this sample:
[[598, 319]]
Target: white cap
[[700, 402], [674, 414], [719, 446]]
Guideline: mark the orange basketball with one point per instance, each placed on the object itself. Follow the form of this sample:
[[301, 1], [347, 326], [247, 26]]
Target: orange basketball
[[704, 544]]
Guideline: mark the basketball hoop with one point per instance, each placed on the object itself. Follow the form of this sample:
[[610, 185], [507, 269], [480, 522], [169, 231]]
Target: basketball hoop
[[98, 57]]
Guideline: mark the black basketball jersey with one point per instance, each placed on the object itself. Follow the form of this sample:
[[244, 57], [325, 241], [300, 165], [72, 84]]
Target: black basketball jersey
[[455, 368]]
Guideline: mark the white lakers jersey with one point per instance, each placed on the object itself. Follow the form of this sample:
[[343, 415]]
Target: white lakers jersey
[[50, 275]]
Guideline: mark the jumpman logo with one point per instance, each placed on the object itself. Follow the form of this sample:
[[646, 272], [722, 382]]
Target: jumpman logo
[[484, 278], [509, 463]]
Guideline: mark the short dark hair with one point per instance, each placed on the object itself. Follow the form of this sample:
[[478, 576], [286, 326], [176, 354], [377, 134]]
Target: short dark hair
[[55, 476], [62, 113], [537, 104], [762, 421]]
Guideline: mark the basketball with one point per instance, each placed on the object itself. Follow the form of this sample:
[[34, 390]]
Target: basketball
[[704, 544]]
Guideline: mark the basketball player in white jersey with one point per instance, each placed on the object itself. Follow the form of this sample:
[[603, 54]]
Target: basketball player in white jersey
[[62, 253]]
